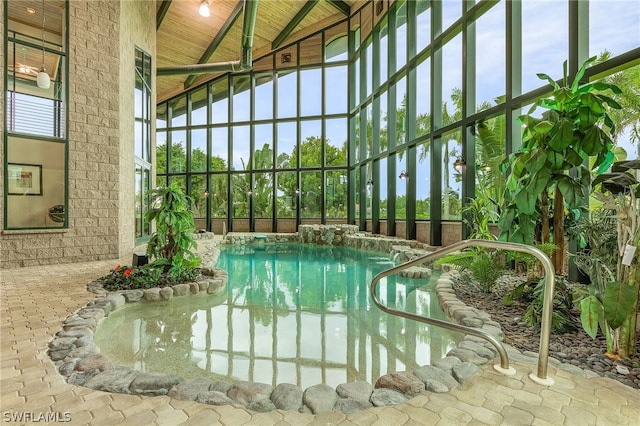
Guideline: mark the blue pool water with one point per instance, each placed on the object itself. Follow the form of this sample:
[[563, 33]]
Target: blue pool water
[[291, 314]]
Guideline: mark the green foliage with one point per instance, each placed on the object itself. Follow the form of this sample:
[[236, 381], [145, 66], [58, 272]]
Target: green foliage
[[146, 276], [485, 267], [172, 243], [532, 293], [568, 132], [170, 246], [460, 261], [478, 214], [528, 261]]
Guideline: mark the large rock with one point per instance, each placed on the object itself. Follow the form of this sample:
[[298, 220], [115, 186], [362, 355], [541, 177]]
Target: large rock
[[349, 405], [132, 295], [166, 293], [154, 383], [247, 393], [94, 362], [446, 363], [76, 332], [479, 349], [402, 381], [467, 355], [180, 290], [383, 397], [152, 294], [116, 380], [213, 398], [62, 343], [79, 378], [320, 398], [359, 390], [464, 371], [287, 397], [429, 372], [189, 389]]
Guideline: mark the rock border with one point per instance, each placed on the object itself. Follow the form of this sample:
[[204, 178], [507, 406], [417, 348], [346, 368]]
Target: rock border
[[79, 360]]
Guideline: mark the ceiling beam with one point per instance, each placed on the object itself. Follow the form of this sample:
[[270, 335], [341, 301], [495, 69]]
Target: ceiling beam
[[309, 4], [341, 6], [164, 8], [216, 40]]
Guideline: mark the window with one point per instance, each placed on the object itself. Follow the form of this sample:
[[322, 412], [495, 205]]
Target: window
[[142, 144], [35, 122]]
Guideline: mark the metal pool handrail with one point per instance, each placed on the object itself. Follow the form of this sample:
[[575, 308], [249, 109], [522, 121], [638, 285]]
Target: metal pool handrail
[[549, 278]]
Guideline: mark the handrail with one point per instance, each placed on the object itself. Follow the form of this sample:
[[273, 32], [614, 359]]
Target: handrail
[[543, 357]]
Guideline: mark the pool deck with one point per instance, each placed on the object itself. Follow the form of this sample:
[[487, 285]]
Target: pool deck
[[35, 301]]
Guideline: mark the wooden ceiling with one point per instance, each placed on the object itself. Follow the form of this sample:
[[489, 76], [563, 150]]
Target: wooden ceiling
[[183, 36]]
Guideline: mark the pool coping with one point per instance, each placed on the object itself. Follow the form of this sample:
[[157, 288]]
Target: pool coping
[[78, 359]]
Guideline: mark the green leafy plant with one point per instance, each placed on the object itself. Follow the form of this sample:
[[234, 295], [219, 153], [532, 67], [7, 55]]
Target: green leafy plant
[[128, 277], [571, 130], [484, 267], [532, 293], [478, 213], [612, 299], [171, 244], [529, 264]]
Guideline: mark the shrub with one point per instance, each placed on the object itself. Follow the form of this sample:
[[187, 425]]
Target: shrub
[[485, 267]]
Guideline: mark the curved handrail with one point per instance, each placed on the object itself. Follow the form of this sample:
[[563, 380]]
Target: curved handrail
[[547, 306]]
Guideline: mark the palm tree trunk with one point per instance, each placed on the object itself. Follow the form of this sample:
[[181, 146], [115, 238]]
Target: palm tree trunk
[[558, 232]]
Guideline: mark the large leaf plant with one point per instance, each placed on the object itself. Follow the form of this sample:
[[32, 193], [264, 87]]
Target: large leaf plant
[[612, 302], [171, 245], [552, 164]]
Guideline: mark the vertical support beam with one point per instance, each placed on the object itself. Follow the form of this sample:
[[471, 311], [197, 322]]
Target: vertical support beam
[[435, 223], [468, 108]]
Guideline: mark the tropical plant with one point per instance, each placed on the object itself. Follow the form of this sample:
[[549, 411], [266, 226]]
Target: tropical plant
[[477, 215], [172, 242], [612, 302], [483, 266], [568, 133], [532, 293]]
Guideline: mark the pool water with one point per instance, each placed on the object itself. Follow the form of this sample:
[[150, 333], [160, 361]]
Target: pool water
[[292, 314]]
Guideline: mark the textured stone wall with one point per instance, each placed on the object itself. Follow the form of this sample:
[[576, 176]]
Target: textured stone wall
[[137, 29], [332, 235], [100, 148]]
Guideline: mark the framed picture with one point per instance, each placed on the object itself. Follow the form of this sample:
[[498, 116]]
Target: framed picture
[[24, 179]]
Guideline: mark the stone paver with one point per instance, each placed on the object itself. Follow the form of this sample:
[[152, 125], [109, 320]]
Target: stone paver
[[34, 302]]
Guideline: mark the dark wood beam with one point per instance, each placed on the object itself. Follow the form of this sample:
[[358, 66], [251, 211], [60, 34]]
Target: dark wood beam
[[216, 40], [164, 8], [309, 4], [341, 6]]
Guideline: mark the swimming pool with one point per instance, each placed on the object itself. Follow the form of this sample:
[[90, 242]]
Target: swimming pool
[[292, 313]]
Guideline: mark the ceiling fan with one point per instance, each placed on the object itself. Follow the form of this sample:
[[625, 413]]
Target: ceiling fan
[[21, 67]]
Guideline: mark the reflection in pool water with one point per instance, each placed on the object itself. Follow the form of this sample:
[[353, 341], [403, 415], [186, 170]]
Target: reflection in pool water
[[291, 314]]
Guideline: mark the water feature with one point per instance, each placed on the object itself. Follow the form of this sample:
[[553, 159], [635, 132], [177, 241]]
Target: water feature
[[291, 314]]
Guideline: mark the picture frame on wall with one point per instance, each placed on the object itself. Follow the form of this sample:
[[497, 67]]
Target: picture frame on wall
[[24, 179]]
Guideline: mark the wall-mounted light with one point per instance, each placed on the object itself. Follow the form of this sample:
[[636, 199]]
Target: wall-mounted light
[[459, 164], [404, 175], [369, 184], [204, 10], [206, 194], [42, 79], [250, 192], [297, 192]]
